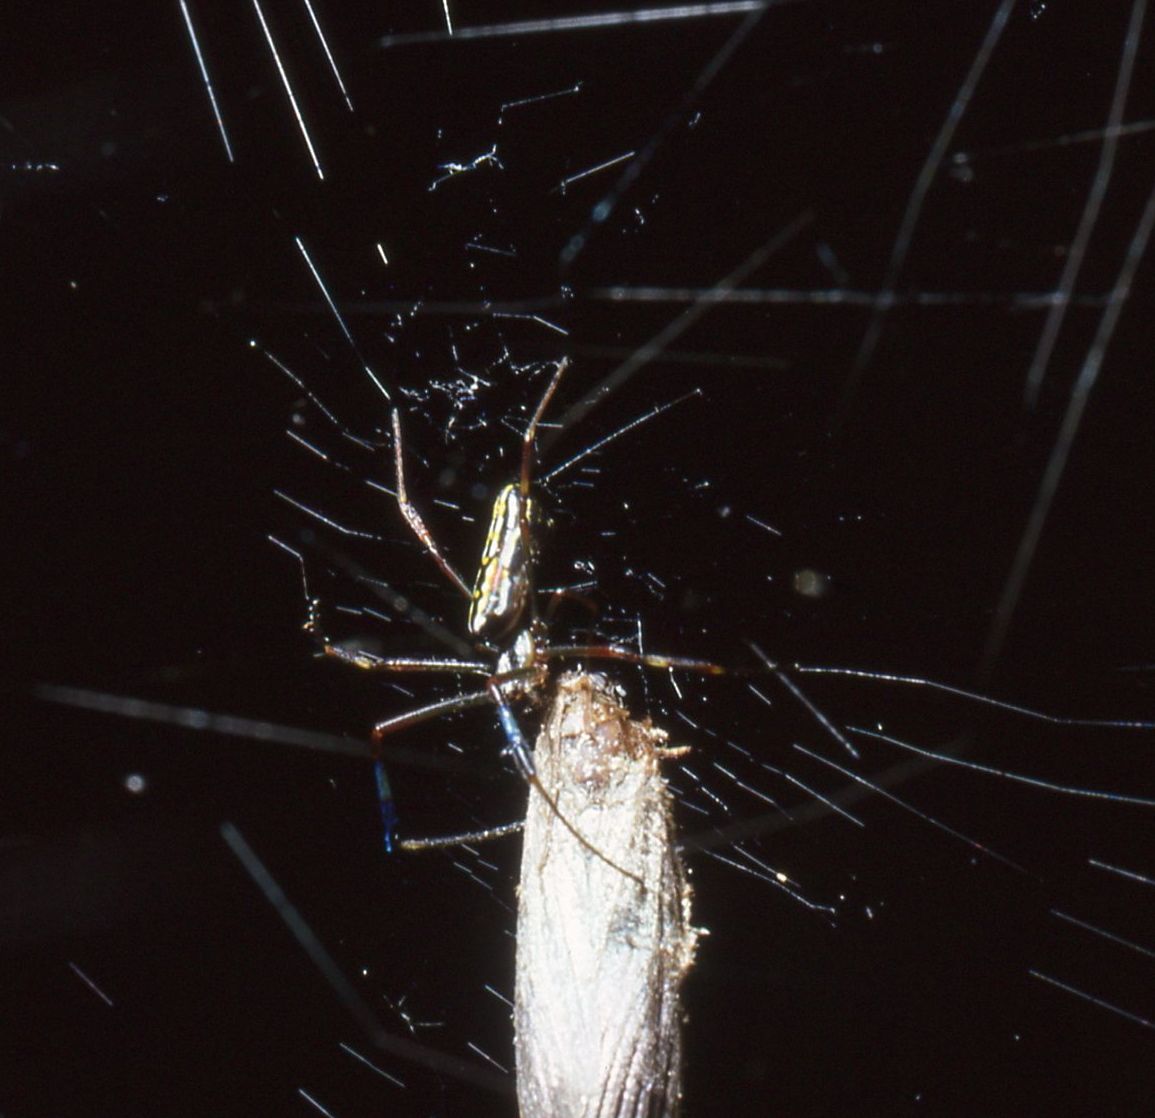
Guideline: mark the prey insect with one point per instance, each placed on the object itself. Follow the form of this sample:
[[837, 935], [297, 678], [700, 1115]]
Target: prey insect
[[503, 621]]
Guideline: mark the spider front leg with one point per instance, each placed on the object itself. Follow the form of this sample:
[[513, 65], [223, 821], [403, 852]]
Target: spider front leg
[[413, 517]]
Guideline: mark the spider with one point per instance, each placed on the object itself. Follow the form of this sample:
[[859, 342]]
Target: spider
[[502, 620]]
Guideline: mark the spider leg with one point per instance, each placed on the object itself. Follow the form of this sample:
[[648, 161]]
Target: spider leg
[[568, 594], [399, 722], [432, 710], [531, 430], [629, 656], [526, 476], [413, 517], [370, 662], [699, 667], [515, 744], [385, 802], [440, 842]]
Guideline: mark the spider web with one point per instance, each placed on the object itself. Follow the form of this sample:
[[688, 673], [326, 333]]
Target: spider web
[[870, 409]]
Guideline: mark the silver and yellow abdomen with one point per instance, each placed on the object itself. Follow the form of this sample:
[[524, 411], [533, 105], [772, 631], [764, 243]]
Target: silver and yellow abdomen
[[502, 587]]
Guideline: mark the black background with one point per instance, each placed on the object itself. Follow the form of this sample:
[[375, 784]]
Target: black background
[[143, 438]]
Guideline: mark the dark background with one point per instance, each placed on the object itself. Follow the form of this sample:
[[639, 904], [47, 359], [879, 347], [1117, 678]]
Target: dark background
[[143, 437]]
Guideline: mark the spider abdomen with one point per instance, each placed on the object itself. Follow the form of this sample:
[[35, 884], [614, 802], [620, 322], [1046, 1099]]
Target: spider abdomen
[[501, 590]]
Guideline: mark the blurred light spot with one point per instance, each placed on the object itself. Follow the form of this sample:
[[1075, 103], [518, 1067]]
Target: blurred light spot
[[810, 583]]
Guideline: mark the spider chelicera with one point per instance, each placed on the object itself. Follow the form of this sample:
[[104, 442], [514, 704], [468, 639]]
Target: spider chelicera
[[503, 620]]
